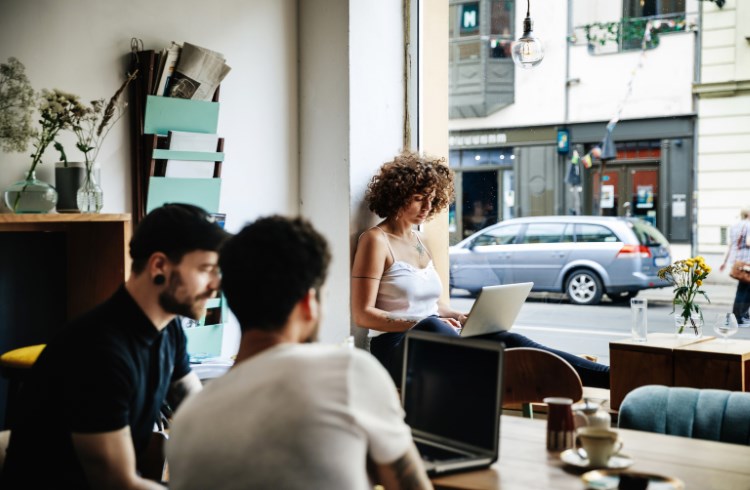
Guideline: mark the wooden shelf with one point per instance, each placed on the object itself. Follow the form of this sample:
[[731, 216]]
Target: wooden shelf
[[62, 218]]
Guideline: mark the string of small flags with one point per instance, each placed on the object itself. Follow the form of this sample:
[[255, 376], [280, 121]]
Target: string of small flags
[[595, 152]]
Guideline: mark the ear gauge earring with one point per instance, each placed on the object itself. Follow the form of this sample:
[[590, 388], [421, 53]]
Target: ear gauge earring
[[159, 279]]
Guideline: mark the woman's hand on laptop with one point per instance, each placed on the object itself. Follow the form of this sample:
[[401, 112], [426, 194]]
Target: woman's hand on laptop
[[455, 319], [457, 323]]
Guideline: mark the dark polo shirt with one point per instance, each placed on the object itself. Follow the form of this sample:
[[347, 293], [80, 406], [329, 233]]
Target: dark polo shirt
[[108, 369]]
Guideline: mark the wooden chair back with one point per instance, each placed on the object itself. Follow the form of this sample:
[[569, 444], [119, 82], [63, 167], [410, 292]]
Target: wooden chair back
[[531, 375]]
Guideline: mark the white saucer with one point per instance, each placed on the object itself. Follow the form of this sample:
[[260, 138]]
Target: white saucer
[[610, 480], [616, 462]]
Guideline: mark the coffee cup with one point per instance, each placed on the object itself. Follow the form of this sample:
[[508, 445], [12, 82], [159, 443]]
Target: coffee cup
[[599, 445]]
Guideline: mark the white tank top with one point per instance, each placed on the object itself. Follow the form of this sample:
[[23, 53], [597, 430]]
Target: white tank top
[[406, 291]]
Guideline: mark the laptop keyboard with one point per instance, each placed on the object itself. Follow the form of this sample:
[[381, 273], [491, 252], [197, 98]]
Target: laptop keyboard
[[432, 453]]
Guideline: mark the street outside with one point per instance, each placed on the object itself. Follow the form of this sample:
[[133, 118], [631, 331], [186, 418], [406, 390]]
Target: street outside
[[553, 321]]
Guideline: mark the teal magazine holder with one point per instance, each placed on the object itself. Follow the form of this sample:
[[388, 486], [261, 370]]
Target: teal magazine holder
[[162, 116]]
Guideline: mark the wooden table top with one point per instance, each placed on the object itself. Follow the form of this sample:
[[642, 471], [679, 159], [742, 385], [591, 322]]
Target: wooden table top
[[525, 464], [659, 340], [733, 347]]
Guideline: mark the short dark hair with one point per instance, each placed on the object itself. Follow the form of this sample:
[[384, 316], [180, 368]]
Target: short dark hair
[[269, 266], [410, 173], [175, 229]]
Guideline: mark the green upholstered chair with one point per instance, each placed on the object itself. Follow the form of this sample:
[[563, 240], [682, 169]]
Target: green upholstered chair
[[715, 415]]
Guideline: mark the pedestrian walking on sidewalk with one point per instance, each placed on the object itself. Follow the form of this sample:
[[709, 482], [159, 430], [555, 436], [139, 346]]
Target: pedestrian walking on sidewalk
[[738, 249]]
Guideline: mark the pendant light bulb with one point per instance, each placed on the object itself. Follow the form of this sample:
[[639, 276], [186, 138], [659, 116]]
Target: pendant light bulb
[[527, 52]]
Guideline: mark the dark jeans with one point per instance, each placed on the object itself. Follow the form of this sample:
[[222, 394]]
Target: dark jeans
[[741, 301], [388, 348]]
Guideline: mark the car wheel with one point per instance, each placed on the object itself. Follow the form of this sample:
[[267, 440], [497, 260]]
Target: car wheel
[[622, 297], [584, 288]]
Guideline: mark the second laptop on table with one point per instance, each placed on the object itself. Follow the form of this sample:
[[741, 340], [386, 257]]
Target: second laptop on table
[[452, 396]]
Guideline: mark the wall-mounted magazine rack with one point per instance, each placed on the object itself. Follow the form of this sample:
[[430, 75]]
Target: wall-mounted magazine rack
[[152, 118]]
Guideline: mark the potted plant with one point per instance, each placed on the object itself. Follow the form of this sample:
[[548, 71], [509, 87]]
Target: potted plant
[[16, 106], [17, 100], [91, 126], [56, 111], [687, 277]]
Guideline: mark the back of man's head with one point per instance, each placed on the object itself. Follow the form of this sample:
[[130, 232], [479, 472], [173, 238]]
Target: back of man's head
[[269, 266], [745, 213], [175, 229]]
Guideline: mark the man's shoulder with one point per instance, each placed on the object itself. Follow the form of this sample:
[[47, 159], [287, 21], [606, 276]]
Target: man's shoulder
[[311, 359]]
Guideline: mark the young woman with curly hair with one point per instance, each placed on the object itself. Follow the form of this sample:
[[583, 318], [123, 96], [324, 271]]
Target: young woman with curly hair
[[395, 286]]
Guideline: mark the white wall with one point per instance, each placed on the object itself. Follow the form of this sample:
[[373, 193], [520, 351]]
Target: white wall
[[314, 103], [724, 123], [82, 46], [661, 87], [726, 55], [351, 120]]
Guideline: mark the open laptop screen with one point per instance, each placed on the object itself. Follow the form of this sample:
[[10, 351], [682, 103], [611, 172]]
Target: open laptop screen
[[452, 388]]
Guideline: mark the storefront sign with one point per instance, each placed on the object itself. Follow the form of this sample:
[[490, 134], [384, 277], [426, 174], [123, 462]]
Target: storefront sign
[[608, 196], [469, 18], [645, 197], [563, 141], [679, 205]]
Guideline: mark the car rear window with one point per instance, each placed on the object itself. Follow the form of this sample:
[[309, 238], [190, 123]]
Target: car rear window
[[594, 233], [647, 234]]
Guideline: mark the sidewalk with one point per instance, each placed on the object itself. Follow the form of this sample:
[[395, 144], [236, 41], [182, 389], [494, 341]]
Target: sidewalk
[[720, 293]]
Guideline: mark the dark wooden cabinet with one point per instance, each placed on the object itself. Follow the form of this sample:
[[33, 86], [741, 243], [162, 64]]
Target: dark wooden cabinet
[[53, 267]]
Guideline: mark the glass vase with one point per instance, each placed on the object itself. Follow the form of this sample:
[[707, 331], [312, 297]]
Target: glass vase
[[30, 196], [90, 197], [688, 327]]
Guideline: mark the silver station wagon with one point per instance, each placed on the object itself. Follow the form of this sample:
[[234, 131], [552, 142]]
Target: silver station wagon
[[582, 256]]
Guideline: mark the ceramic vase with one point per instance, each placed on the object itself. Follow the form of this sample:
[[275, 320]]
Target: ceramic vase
[[68, 179]]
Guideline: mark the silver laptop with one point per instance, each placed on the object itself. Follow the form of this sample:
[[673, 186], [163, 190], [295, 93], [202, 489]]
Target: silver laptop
[[451, 393], [496, 309]]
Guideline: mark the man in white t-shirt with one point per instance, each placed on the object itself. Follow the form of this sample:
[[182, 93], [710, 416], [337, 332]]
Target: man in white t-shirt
[[290, 414]]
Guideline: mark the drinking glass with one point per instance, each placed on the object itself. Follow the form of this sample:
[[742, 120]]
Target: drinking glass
[[639, 319], [725, 325]]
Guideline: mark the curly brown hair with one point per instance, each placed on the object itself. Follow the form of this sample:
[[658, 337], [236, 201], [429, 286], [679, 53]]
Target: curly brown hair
[[393, 187]]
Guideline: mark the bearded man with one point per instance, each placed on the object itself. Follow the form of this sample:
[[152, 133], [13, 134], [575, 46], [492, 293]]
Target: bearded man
[[88, 408]]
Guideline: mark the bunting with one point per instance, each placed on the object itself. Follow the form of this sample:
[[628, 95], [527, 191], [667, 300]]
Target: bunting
[[596, 151]]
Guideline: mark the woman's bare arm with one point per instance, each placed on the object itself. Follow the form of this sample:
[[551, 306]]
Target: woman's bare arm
[[370, 261]]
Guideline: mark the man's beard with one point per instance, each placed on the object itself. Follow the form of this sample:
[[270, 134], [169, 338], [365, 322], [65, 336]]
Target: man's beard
[[169, 302]]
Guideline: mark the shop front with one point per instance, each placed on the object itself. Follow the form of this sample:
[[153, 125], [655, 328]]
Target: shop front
[[501, 174]]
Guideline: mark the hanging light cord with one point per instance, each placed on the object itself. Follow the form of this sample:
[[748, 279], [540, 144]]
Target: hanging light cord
[[528, 8]]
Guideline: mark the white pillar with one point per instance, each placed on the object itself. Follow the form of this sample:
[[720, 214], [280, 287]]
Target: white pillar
[[352, 118]]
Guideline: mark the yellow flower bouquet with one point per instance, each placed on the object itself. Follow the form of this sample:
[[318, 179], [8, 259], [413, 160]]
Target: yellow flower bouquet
[[687, 277]]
